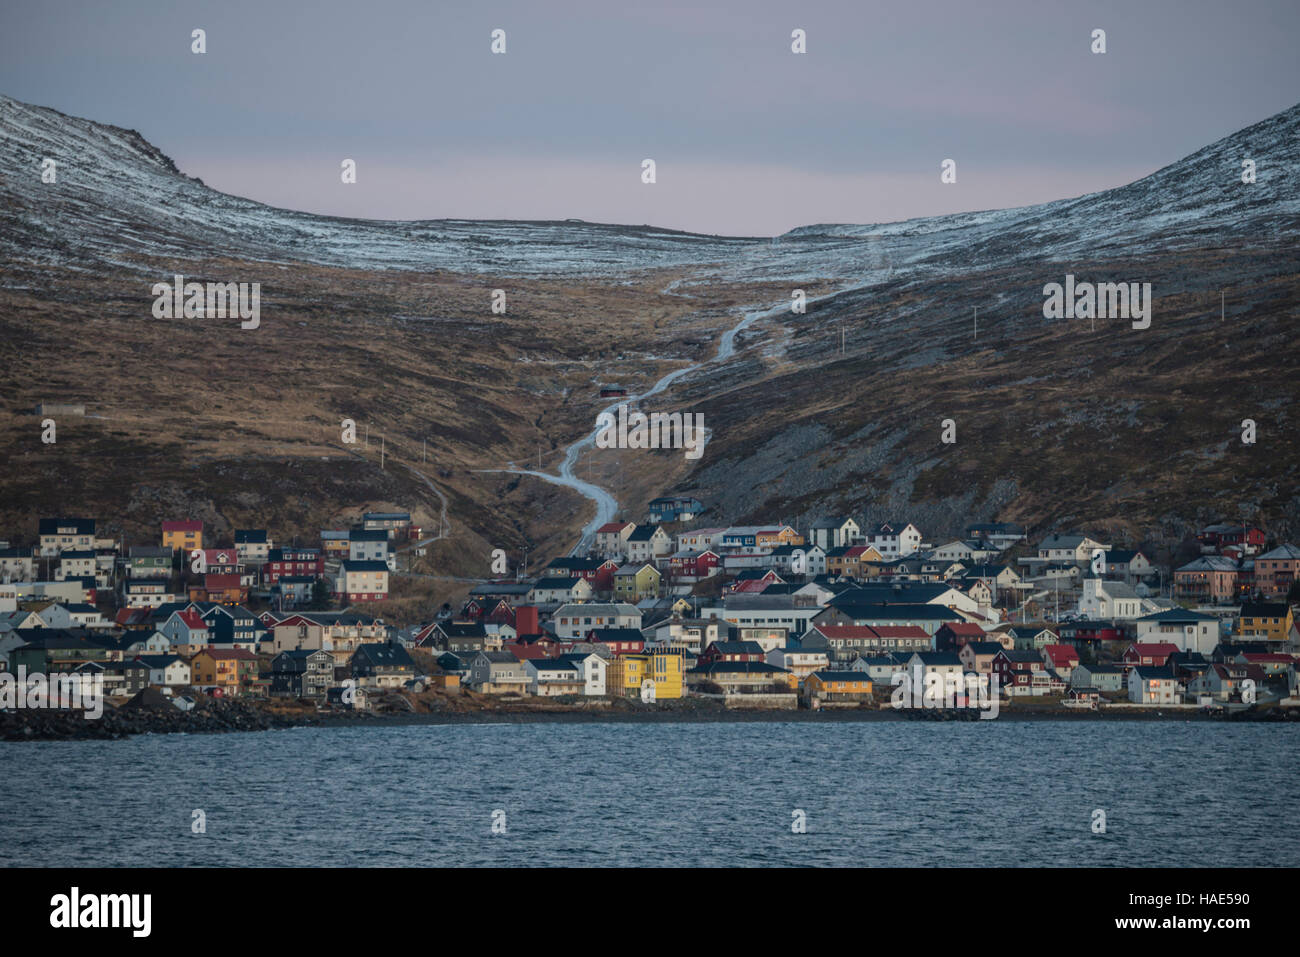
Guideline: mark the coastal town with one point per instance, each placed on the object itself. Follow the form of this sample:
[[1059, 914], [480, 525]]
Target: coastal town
[[836, 615]]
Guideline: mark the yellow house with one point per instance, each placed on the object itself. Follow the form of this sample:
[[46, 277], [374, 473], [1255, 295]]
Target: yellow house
[[1270, 621], [186, 535], [855, 561], [837, 684], [776, 537], [633, 584], [231, 670], [627, 672]]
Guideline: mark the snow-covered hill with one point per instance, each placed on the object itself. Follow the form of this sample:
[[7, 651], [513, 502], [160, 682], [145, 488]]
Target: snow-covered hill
[[118, 198]]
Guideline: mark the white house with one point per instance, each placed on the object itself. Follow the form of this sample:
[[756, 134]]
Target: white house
[[801, 661], [1189, 630], [592, 668], [807, 560], [167, 671], [945, 664], [558, 589], [252, 545], [548, 677], [893, 540], [368, 545], [827, 533], [611, 539], [700, 540], [1106, 600], [575, 621], [953, 552], [646, 543], [1152, 686]]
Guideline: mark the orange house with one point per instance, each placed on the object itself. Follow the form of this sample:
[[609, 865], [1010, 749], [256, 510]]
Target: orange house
[[223, 589], [233, 670], [186, 535], [776, 537], [853, 562], [842, 685]]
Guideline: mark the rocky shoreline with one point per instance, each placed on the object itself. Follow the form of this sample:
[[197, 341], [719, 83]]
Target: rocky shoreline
[[231, 715]]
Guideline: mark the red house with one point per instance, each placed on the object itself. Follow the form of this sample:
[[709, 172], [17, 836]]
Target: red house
[[693, 566], [308, 562], [1154, 654], [1061, 658], [1247, 538], [755, 580], [732, 651], [488, 610], [954, 635], [621, 641], [223, 589]]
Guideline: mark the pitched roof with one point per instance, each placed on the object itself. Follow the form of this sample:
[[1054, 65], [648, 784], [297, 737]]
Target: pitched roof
[[1281, 553], [1176, 615], [385, 653], [1264, 609], [842, 675], [1153, 649]]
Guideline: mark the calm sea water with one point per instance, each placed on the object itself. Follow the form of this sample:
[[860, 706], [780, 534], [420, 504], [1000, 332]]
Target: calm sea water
[[989, 793]]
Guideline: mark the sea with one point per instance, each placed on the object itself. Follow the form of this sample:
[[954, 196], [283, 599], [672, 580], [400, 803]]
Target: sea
[[957, 794]]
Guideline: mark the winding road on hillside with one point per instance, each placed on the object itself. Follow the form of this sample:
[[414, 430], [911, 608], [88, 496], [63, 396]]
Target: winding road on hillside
[[607, 505]]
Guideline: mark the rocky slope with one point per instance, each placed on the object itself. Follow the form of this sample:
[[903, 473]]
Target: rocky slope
[[1059, 423]]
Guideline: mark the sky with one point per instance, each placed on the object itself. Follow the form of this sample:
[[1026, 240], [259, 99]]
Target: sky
[[748, 138]]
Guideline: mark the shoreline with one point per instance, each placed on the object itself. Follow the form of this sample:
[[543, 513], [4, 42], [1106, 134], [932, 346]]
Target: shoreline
[[239, 716]]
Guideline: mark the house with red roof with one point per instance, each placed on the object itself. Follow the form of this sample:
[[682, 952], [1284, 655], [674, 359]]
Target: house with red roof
[[1271, 663], [1062, 659], [222, 589], [952, 635], [230, 670], [1148, 655], [692, 566], [1226, 682], [611, 538], [133, 619], [844, 643], [187, 631]]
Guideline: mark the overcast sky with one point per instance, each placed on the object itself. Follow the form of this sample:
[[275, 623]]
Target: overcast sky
[[748, 137]]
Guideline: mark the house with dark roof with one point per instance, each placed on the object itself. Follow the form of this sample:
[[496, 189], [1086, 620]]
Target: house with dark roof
[[1108, 679], [1152, 685], [732, 651], [673, 508], [739, 677], [827, 687], [382, 664], [977, 656], [1182, 628], [302, 673], [57, 534], [498, 672]]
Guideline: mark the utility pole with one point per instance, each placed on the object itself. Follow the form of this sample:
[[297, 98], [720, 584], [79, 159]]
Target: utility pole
[[367, 435], [424, 445], [381, 453]]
